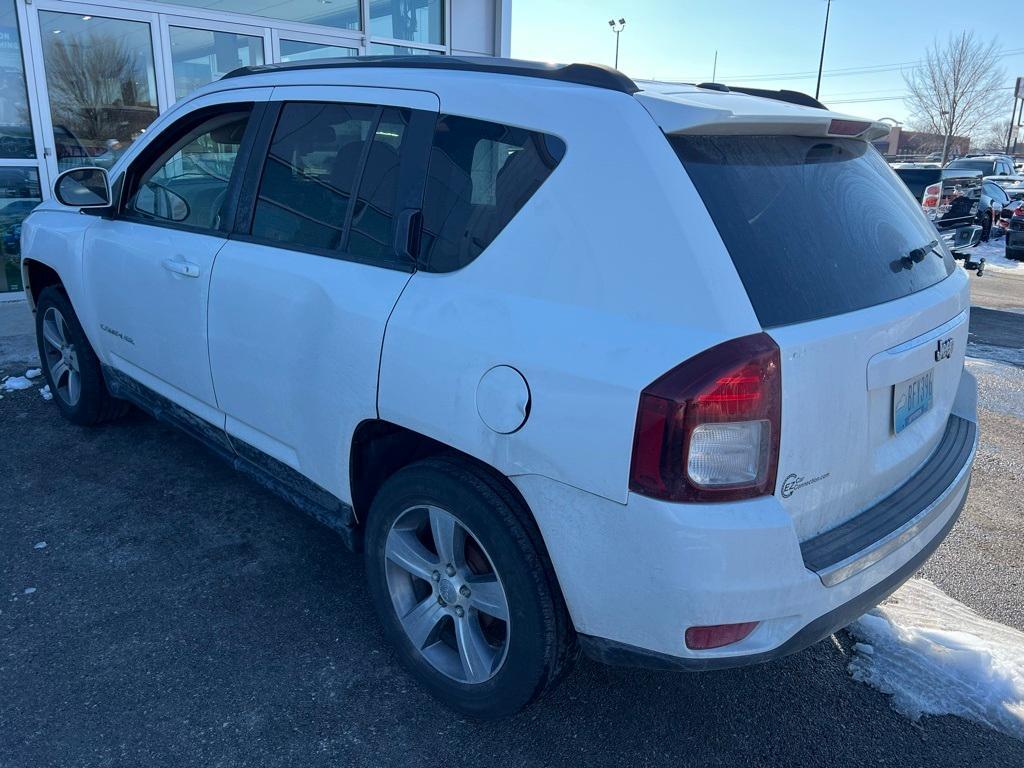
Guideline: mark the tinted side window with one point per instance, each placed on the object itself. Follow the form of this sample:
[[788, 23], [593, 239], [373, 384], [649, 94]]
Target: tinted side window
[[310, 172], [186, 182], [373, 219], [480, 174]]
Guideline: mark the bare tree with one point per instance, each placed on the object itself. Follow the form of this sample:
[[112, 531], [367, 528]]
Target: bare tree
[[94, 88], [957, 88], [993, 136]]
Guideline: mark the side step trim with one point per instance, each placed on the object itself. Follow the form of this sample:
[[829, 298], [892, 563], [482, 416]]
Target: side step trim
[[267, 471], [862, 541]]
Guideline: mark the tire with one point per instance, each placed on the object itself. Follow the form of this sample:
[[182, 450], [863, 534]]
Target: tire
[[69, 363], [523, 658]]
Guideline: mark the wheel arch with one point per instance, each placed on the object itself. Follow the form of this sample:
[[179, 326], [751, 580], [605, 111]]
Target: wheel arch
[[36, 276], [380, 448]]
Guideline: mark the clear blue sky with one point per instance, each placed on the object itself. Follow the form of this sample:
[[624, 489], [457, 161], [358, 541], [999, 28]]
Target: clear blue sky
[[769, 43]]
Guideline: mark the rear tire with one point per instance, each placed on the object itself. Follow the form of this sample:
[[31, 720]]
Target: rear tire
[[436, 616], [69, 364]]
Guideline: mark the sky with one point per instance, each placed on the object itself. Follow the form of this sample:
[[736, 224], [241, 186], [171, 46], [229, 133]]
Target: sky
[[768, 43]]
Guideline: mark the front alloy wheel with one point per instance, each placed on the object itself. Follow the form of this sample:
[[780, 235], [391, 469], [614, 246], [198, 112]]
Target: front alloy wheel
[[61, 357]]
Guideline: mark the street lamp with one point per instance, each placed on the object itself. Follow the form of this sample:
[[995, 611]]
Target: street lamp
[[617, 27]]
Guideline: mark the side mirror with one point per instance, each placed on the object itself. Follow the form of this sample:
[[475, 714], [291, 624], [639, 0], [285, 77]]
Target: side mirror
[[83, 188]]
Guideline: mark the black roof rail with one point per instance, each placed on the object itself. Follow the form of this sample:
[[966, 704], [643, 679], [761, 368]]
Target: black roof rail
[[790, 97], [596, 75]]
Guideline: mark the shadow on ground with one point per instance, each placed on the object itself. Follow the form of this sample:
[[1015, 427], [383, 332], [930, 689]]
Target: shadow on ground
[[183, 616]]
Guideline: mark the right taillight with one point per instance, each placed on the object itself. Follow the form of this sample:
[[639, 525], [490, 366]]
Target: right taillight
[[931, 196], [708, 430]]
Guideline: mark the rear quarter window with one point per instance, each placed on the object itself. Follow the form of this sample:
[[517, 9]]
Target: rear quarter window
[[479, 176], [815, 227]]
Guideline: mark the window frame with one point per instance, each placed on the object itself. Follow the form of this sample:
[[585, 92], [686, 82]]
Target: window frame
[[154, 150], [413, 155]]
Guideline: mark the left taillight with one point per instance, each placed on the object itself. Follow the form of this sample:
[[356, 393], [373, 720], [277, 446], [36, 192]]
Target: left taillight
[[709, 429]]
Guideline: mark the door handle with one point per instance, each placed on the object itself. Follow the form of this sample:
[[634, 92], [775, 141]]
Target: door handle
[[186, 268]]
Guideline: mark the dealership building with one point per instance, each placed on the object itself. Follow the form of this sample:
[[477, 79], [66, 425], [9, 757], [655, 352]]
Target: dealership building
[[79, 81]]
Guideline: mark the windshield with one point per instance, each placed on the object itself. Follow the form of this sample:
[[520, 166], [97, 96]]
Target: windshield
[[816, 227]]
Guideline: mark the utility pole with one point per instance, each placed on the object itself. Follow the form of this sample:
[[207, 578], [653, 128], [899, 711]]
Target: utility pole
[[1011, 135], [821, 61], [946, 130], [617, 27]]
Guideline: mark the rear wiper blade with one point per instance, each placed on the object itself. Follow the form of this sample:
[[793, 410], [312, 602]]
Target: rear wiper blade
[[916, 255]]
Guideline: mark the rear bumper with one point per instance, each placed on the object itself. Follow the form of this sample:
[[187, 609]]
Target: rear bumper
[[621, 654], [961, 238], [636, 576]]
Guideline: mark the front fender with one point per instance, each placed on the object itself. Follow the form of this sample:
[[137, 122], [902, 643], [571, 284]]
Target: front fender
[[54, 236]]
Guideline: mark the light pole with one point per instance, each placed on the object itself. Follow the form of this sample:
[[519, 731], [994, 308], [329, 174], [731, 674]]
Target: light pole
[[945, 136], [617, 27], [821, 60]]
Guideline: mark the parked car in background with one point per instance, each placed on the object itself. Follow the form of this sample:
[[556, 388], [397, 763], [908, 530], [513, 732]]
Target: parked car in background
[[989, 165], [990, 208], [1012, 185], [1015, 236], [951, 199], [389, 290]]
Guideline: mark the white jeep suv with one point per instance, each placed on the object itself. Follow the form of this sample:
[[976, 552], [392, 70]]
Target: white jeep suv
[[666, 373]]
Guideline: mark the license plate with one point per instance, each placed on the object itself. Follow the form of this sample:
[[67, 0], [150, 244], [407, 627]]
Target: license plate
[[911, 399]]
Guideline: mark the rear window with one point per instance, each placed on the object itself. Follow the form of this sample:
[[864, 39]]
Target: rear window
[[816, 227], [985, 166]]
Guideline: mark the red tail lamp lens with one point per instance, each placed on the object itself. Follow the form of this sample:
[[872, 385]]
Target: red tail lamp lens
[[708, 430]]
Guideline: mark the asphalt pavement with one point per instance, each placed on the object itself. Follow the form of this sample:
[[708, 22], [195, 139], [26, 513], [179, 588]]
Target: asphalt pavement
[[179, 615]]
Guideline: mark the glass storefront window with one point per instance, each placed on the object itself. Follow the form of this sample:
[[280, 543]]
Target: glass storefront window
[[381, 49], [295, 50], [200, 56], [418, 21], [340, 14], [15, 122], [19, 194], [101, 82]]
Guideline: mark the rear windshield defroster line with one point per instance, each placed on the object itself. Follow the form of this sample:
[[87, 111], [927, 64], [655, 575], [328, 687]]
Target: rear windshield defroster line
[[816, 227]]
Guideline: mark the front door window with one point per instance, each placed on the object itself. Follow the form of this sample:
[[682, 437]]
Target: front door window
[[101, 83]]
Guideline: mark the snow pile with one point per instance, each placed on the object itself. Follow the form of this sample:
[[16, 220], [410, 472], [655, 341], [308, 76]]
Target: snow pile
[[994, 253], [46, 393], [33, 373], [935, 656], [12, 383]]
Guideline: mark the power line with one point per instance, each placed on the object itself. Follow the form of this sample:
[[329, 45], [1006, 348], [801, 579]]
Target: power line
[[891, 98], [840, 72]]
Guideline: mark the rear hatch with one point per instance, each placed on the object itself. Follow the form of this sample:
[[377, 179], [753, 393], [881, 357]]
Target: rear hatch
[[845, 273]]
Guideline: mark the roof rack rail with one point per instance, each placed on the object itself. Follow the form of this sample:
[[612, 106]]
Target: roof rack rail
[[596, 75], [790, 97]]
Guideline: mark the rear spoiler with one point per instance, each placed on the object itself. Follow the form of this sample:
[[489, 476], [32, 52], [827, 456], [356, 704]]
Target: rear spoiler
[[770, 113], [790, 97]]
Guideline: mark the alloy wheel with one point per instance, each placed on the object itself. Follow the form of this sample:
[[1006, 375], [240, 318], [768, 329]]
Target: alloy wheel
[[447, 595], [61, 357]]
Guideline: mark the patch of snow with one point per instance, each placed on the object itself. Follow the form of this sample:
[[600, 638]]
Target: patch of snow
[[935, 656], [29, 590], [994, 253], [46, 393], [12, 383], [33, 373], [40, 545]]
